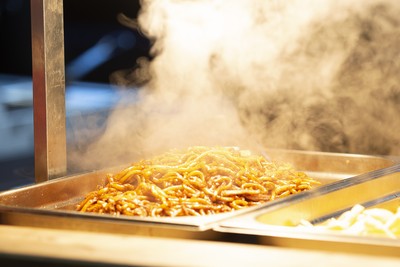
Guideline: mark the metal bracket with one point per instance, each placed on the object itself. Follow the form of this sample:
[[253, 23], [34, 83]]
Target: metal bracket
[[48, 75]]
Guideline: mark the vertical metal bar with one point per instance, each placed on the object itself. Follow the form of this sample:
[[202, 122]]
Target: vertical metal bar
[[48, 74]]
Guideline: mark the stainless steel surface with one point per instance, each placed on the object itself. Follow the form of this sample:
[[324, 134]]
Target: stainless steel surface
[[325, 164], [276, 223], [48, 76], [52, 202]]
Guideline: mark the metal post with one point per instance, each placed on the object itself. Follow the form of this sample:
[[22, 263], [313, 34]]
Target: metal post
[[48, 74]]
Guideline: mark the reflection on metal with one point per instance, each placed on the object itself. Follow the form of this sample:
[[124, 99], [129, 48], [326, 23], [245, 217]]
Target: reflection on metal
[[48, 76]]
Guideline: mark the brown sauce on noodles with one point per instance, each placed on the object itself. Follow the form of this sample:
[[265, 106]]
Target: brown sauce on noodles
[[197, 181]]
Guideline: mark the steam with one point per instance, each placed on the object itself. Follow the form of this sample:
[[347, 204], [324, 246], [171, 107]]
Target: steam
[[296, 74]]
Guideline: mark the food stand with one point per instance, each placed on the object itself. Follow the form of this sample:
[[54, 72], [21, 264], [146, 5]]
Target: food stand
[[40, 225]]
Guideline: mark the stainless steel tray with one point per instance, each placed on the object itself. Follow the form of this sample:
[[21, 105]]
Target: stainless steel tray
[[49, 204], [276, 223]]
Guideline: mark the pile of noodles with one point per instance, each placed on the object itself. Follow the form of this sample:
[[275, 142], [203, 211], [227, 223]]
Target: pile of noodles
[[196, 181]]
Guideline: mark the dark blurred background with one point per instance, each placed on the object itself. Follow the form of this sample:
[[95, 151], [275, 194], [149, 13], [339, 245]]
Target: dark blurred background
[[97, 44], [86, 24]]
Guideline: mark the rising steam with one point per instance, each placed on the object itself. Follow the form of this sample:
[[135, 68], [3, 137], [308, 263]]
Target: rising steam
[[297, 74]]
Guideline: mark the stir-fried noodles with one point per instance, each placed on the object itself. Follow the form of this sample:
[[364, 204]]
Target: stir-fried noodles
[[196, 181]]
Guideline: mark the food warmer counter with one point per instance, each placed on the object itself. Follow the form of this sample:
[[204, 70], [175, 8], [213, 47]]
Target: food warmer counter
[[38, 223], [48, 208]]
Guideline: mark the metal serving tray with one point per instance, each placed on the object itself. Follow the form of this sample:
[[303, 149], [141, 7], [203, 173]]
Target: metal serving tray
[[50, 204], [276, 223]]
